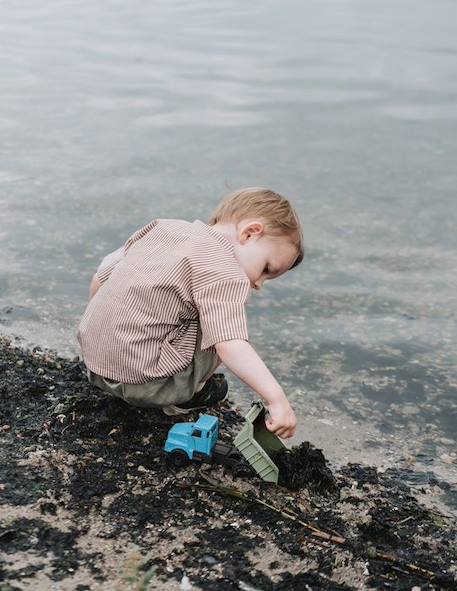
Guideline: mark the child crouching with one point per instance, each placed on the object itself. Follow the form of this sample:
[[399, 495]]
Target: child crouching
[[169, 306]]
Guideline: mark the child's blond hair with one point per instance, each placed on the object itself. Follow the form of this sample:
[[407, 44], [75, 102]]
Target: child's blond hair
[[279, 216]]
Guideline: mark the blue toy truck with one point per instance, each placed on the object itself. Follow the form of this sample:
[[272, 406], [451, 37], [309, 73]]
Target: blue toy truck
[[254, 443], [199, 441]]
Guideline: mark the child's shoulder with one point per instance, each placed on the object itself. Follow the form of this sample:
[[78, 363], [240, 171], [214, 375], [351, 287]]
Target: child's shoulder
[[197, 231]]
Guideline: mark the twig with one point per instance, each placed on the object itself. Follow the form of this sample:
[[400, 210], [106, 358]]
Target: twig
[[215, 486], [423, 572], [405, 520]]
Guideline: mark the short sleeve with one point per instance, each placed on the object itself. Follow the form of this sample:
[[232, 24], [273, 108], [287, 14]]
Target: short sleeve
[[109, 263], [222, 312]]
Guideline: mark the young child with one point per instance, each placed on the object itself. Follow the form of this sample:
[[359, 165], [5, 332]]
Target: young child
[[169, 306]]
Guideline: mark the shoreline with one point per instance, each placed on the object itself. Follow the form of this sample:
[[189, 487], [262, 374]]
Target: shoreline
[[88, 502], [432, 476], [344, 436]]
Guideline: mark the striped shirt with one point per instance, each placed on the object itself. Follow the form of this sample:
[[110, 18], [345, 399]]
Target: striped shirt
[[170, 278]]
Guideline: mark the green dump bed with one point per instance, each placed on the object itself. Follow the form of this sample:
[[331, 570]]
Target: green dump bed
[[258, 445]]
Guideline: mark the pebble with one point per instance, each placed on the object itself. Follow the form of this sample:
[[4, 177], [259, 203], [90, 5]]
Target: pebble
[[325, 422], [40, 371], [20, 362], [209, 560], [371, 551], [447, 458], [185, 584], [446, 441]]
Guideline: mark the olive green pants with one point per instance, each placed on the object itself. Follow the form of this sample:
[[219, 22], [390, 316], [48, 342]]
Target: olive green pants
[[163, 391]]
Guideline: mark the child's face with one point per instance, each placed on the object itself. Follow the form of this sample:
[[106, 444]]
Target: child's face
[[261, 256]]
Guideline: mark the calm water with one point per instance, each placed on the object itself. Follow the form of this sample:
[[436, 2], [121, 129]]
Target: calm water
[[113, 113]]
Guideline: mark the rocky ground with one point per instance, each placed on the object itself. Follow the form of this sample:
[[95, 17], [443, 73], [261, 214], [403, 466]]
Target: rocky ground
[[88, 502]]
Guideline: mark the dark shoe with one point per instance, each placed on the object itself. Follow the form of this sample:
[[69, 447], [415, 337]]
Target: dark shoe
[[214, 391]]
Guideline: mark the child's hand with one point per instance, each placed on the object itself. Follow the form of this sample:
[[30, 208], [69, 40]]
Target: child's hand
[[282, 421]]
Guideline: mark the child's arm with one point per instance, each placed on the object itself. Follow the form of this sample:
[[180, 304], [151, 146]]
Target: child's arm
[[240, 357]]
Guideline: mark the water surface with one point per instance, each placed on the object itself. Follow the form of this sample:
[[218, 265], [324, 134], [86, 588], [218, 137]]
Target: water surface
[[113, 113]]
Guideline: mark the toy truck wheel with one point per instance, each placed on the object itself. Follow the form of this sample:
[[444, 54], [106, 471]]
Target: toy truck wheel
[[178, 458]]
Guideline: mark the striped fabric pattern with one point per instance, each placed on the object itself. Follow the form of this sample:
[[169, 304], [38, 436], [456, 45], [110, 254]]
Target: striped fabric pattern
[[170, 279]]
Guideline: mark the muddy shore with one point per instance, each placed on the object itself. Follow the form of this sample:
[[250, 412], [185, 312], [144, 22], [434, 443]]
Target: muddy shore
[[88, 502]]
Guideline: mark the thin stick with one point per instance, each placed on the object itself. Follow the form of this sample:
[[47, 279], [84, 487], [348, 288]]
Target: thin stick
[[215, 486]]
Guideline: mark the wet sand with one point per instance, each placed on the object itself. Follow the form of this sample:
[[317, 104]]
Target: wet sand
[[88, 502]]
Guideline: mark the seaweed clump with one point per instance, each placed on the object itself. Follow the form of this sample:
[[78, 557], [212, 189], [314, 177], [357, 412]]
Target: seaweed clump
[[305, 466]]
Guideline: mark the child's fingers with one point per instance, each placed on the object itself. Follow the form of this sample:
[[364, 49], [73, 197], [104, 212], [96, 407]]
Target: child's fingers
[[285, 433], [289, 431], [272, 425], [280, 431]]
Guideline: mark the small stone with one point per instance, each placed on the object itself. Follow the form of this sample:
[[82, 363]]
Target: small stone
[[20, 362], [371, 551], [5, 428], [40, 371], [325, 422], [185, 584], [446, 441], [210, 560], [100, 460]]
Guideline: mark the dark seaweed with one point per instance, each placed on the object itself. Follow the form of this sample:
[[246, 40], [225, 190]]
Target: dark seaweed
[[117, 474], [305, 466]]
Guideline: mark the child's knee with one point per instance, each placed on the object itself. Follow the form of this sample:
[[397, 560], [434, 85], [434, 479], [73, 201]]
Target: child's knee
[[158, 393]]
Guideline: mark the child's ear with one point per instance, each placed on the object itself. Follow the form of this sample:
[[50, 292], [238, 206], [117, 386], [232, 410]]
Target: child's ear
[[250, 229]]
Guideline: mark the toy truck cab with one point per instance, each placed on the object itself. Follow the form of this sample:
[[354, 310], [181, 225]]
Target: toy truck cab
[[192, 441]]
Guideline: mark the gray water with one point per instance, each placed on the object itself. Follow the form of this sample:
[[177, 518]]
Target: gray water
[[113, 113]]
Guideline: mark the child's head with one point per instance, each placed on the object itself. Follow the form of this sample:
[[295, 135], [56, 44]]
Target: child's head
[[265, 231]]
